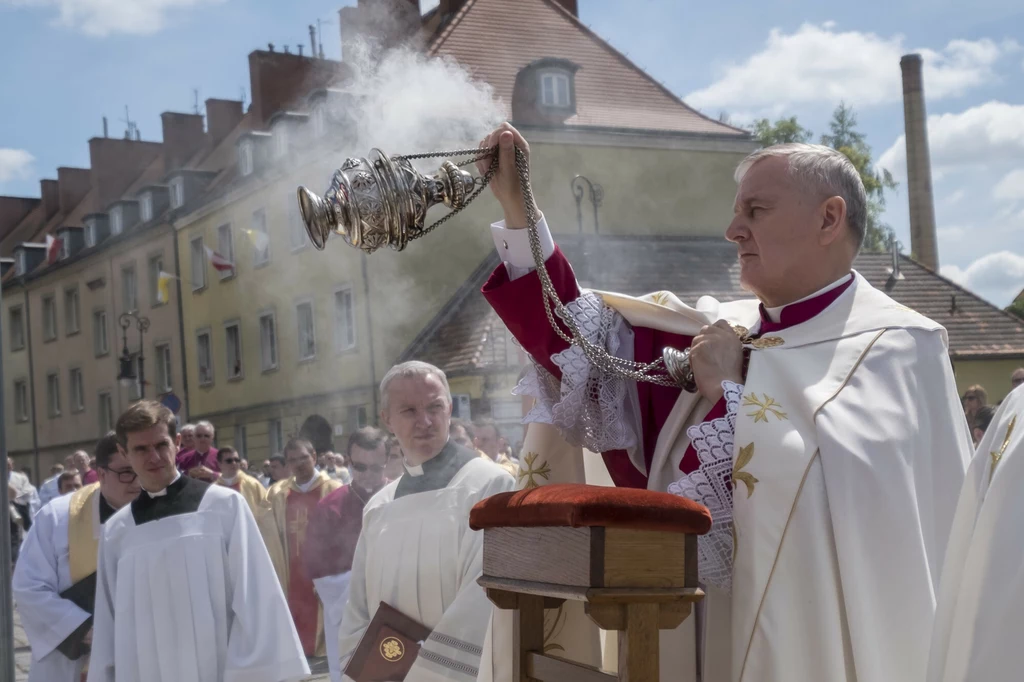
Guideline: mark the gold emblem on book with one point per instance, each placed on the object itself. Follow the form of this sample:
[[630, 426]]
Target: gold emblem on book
[[391, 649]]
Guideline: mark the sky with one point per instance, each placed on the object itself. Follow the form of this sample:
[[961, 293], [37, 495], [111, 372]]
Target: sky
[[69, 63]]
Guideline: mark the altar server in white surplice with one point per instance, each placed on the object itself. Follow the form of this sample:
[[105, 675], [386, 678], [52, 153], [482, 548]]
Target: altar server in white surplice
[[825, 433], [980, 619], [416, 551], [55, 579], [185, 587]]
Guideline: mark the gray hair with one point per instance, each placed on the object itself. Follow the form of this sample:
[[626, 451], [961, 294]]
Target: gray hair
[[207, 425], [412, 368], [187, 428], [822, 169]]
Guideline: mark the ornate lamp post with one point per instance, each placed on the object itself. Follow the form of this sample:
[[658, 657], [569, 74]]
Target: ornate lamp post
[[127, 373], [596, 197]]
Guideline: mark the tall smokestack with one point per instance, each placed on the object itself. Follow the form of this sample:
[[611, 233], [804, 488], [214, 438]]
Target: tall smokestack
[[923, 244]]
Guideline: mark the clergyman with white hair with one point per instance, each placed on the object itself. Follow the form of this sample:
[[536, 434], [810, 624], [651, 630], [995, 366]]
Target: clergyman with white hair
[[822, 425], [416, 552]]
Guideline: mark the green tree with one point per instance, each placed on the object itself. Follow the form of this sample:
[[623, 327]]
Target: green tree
[[1017, 307], [782, 131], [847, 139]]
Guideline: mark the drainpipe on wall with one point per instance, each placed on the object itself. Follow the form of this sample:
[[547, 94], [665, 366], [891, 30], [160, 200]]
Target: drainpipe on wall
[[32, 386], [181, 330]]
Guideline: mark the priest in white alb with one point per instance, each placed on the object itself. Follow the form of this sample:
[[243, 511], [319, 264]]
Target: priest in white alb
[[416, 551], [185, 587], [978, 626], [824, 431], [54, 581]]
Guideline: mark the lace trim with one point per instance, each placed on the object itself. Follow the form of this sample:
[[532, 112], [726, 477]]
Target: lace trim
[[711, 485], [588, 407]]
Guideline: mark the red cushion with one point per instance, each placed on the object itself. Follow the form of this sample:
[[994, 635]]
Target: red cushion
[[576, 504]]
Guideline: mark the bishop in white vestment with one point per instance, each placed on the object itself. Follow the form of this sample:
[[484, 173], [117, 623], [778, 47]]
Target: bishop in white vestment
[[825, 434], [185, 588], [979, 622], [416, 551]]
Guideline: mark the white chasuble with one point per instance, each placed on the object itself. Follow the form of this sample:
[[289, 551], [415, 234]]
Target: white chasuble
[[42, 573], [191, 596], [418, 554], [980, 619]]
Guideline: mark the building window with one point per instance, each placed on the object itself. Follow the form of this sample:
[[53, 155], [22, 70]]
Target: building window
[[17, 322], [49, 318], [106, 410], [241, 441], [233, 338], [71, 312], [53, 394], [21, 400], [226, 248], [135, 385], [307, 330], [204, 357], [296, 228], [320, 119], [275, 435], [146, 207], [65, 247], [77, 390], [198, 264], [280, 141], [90, 234], [554, 90], [99, 333], [116, 220], [129, 289], [260, 238], [156, 266], [163, 368], [268, 341], [177, 192], [344, 320], [357, 416], [245, 158]]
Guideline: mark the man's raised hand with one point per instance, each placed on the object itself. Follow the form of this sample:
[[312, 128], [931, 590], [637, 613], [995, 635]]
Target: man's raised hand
[[505, 183]]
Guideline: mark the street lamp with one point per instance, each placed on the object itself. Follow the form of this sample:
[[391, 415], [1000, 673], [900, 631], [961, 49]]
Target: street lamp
[[127, 373]]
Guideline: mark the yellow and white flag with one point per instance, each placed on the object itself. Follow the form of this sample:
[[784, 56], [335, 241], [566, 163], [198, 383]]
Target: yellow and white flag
[[163, 287]]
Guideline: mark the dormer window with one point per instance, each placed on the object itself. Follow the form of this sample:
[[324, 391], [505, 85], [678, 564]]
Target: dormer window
[[90, 234], [555, 89], [21, 264], [146, 207], [320, 120], [280, 141], [65, 246], [178, 192], [116, 220], [245, 160]]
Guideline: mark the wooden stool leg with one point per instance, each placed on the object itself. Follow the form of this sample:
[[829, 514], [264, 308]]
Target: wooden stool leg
[[528, 628], [638, 644]]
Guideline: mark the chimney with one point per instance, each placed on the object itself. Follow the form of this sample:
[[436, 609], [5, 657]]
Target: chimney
[[222, 116], [277, 80], [923, 244], [386, 23], [49, 190], [183, 137], [570, 6], [72, 185], [115, 164]]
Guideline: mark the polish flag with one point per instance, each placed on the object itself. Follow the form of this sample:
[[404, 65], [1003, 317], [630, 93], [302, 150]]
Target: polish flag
[[219, 262], [52, 249]]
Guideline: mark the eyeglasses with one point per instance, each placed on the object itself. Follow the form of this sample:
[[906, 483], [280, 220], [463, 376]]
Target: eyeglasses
[[394, 455], [232, 460], [361, 468], [204, 435], [123, 475]]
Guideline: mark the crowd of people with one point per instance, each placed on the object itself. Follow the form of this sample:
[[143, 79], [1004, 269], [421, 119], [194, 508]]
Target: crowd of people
[[866, 540]]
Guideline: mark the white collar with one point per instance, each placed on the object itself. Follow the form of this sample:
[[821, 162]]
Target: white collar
[[775, 313], [232, 480], [412, 470], [308, 485], [162, 492]]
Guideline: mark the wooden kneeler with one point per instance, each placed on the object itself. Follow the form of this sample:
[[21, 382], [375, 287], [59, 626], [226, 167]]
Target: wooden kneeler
[[630, 555]]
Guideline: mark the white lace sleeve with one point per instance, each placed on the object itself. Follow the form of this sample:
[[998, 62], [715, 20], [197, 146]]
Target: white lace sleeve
[[711, 485], [589, 407]]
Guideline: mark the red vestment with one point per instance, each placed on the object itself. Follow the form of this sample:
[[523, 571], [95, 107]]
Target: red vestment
[[302, 600], [189, 459], [333, 532], [520, 305]]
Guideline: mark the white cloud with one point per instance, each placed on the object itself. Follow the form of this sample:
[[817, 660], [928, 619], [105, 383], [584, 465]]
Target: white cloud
[[1011, 187], [951, 233], [15, 164], [818, 64], [104, 17], [996, 277], [989, 133]]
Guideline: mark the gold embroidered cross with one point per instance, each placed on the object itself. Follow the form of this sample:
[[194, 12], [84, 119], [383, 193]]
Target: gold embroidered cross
[[529, 471], [738, 475], [297, 528], [764, 406], [998, 455]]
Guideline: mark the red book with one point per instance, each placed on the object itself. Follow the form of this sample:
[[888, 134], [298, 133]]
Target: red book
[[388, 648]]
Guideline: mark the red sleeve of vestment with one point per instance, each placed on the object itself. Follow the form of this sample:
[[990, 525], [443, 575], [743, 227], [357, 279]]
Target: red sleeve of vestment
[[319, 538]]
